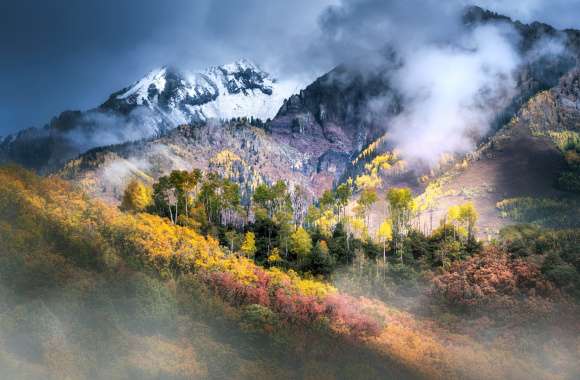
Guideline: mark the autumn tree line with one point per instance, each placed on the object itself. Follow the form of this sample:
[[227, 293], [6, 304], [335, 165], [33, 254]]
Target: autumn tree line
[[281, 227]]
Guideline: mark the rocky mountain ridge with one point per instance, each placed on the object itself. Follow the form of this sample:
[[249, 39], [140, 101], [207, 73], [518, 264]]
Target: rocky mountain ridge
[[237, 150]]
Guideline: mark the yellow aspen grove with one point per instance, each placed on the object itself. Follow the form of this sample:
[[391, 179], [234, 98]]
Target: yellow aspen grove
[[368, 197], [464, 217]]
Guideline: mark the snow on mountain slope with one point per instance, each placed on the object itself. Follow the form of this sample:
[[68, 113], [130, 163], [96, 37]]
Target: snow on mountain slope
[[155, 79], [238, 89]]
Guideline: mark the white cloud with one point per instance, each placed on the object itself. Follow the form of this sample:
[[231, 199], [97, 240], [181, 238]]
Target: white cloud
[[452, 93]]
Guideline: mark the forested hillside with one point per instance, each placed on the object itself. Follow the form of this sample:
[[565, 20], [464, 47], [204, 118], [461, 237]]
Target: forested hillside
[[89, 291]]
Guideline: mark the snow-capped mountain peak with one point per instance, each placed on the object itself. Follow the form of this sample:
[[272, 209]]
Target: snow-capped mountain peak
[[237, 89]]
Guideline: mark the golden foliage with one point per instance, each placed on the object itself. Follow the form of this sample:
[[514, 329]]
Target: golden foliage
[[385, 231], [370, 149], [325, 221], [274, 256], [225, 160], [137, 197], [35, 211], [224, 157], [368, 181], [300, 242], [358, 225], [249, 244], [563, 138], [465, 215], [43, 207]]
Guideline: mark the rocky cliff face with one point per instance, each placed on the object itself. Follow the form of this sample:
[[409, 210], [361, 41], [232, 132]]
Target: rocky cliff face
[[351, 107], [341, 106], [244, 153]]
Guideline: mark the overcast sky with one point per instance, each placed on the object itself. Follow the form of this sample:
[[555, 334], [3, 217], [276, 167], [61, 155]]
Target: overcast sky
[[71, 54]]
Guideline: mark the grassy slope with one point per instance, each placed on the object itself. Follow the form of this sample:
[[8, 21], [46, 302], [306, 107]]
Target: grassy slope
[[522, 159]]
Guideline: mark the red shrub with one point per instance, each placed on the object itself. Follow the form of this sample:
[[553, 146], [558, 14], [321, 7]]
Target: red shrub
[[344, 310], [491, 277], [340, 311]]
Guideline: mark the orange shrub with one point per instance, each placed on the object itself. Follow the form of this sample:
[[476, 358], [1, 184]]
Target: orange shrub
[[491, 278]]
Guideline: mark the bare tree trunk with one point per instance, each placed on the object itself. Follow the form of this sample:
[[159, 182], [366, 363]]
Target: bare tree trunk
[[384, 251], [176, 204], [170, 213]]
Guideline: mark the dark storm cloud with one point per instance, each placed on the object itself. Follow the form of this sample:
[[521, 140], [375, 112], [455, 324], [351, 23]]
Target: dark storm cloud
[[70, 54], [60, 54]]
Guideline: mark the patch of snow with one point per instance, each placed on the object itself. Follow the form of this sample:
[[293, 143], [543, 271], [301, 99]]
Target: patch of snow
[[253, 103], [241, 65], [155, 78]]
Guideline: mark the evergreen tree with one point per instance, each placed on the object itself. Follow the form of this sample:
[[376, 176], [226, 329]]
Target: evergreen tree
[[338, 245], [321, 262]]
